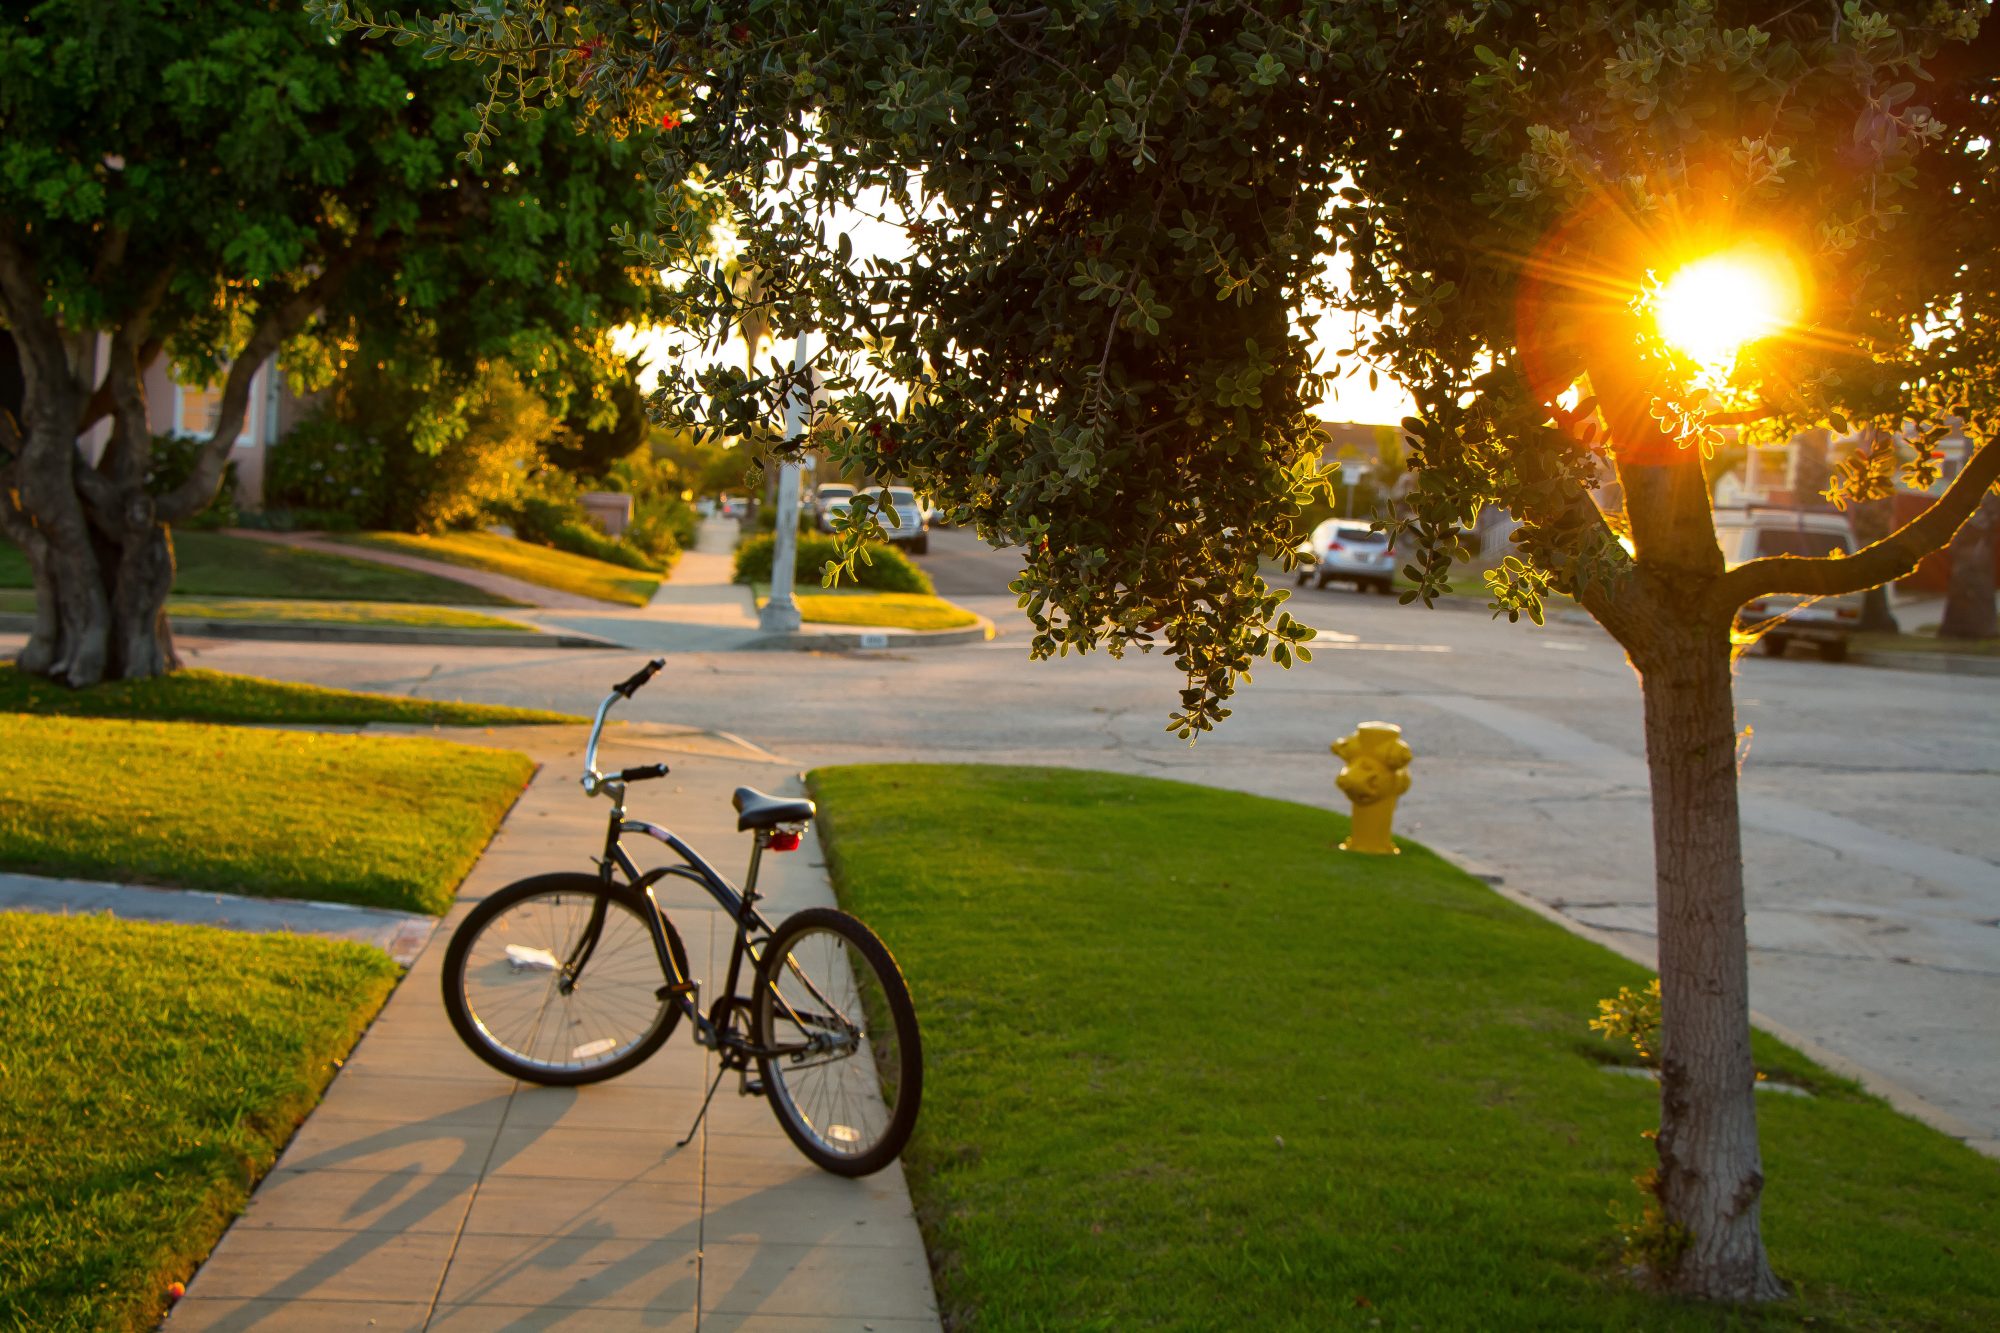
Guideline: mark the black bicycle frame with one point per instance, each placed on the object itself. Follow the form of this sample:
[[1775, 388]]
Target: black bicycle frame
[[740, 907]]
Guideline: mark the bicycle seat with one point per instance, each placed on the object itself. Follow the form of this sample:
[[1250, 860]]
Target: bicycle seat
[[756, 810]]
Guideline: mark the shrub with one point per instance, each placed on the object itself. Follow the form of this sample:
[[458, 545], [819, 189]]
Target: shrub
[[661, 531], [327, 467], [663, 523], [548, 511], [1635, 1016], [877, 566], [278, 518]]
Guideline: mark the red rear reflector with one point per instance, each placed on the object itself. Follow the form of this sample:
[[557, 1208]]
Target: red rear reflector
[[1848, 613], [784, 842], [1335, 546]]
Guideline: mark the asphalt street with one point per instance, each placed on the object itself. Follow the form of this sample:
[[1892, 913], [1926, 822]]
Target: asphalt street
[[1872, 851]]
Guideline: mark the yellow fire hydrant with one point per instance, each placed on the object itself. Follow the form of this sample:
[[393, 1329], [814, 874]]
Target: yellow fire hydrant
[[1374, 777]]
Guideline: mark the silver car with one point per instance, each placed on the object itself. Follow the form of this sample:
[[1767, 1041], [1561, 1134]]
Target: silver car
[[1344, 550], [910, 530]]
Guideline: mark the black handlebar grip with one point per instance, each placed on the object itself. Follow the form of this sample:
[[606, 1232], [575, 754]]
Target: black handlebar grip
[[642, 772], [630, 687]]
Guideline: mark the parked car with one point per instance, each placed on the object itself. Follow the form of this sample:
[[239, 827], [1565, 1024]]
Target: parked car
[[1348, 551], [828, 500], [734, 506], [1757, 530], [910, 529]]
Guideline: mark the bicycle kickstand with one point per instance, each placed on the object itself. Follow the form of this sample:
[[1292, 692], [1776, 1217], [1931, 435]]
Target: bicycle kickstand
[[721, 1069]]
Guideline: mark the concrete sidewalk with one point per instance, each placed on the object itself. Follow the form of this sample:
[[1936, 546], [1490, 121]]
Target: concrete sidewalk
[[428, 1191], [700, 609], [401, 935]]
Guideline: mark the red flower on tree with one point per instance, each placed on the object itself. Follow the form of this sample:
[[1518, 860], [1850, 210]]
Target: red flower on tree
[[671, 121]]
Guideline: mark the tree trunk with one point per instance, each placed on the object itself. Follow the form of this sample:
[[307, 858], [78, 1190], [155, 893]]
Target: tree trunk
[[1872, 521], [101, 559], [101, 597], [143, 576], [1711, 1170], [1710, 1178], [1968, 599]]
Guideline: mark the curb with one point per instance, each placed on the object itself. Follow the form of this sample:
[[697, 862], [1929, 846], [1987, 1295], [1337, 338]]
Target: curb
[[332, 632], [872, 640], [1947, 664]]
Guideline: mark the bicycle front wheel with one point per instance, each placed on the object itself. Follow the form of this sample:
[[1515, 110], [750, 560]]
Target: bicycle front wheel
[[535, 999], [844, 1072]]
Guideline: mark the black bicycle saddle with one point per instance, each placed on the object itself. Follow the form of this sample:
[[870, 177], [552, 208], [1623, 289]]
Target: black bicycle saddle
[[756, 810]]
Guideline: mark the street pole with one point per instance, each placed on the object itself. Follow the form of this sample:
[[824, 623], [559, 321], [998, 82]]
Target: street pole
[[781, 611]]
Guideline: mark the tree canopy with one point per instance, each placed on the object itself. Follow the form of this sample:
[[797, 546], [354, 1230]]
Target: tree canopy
[[210, 183]]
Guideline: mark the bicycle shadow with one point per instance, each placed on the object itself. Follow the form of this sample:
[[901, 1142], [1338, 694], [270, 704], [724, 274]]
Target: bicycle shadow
[[661, 1279], [440, 1185]]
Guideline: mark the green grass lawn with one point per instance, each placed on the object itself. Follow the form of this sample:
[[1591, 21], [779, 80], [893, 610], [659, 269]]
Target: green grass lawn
[[209, 564], [196, 695], [379, 821], [149, 1074], [1187, 1066], [299, 611], [865, 606], [539, 565]]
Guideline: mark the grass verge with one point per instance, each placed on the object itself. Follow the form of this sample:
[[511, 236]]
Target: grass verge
[[296, 611], [195, 695], [149, 1074], [539, 565], [211, 564], [1187, 1066], [887, 610], [1924, 643], [379, 821]]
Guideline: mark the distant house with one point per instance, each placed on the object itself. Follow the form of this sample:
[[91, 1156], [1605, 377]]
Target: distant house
[[178, 409]]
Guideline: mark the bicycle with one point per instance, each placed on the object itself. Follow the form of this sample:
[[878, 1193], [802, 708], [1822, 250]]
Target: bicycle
[[572, 978]]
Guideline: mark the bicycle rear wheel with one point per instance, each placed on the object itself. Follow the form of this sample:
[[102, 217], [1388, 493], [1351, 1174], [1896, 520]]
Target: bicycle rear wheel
[[849, 1077], [504, 975]]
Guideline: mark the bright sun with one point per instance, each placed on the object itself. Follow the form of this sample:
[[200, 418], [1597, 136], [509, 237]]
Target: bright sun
[[1714, 306]]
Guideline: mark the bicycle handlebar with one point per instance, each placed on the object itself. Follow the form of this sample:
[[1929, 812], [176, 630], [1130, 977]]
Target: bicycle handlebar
[[642, 772], [593, 781], [629, 687]]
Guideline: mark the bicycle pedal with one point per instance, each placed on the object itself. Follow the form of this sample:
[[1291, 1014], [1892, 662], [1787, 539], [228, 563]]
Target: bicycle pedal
[[751, 1087]]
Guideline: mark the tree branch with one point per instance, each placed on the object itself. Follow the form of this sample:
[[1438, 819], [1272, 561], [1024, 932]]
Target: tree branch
[[1891, 558], [278, 323], [23, 306], [126, 456], [1621, 607], [98, 406]]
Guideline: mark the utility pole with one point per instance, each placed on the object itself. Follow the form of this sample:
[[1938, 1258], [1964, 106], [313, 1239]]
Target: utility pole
[[781, 611]]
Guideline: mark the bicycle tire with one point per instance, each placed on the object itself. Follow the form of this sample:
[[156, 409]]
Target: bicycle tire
[[501, 947], [851, 1114]]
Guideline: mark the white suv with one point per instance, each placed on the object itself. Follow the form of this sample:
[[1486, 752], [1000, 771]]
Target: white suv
[[1755, 531]]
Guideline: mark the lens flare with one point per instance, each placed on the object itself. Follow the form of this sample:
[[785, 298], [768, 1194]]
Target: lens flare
[[1714, 307]]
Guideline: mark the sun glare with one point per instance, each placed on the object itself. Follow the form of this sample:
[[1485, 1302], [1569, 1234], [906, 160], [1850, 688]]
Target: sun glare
[[1715, 306]]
